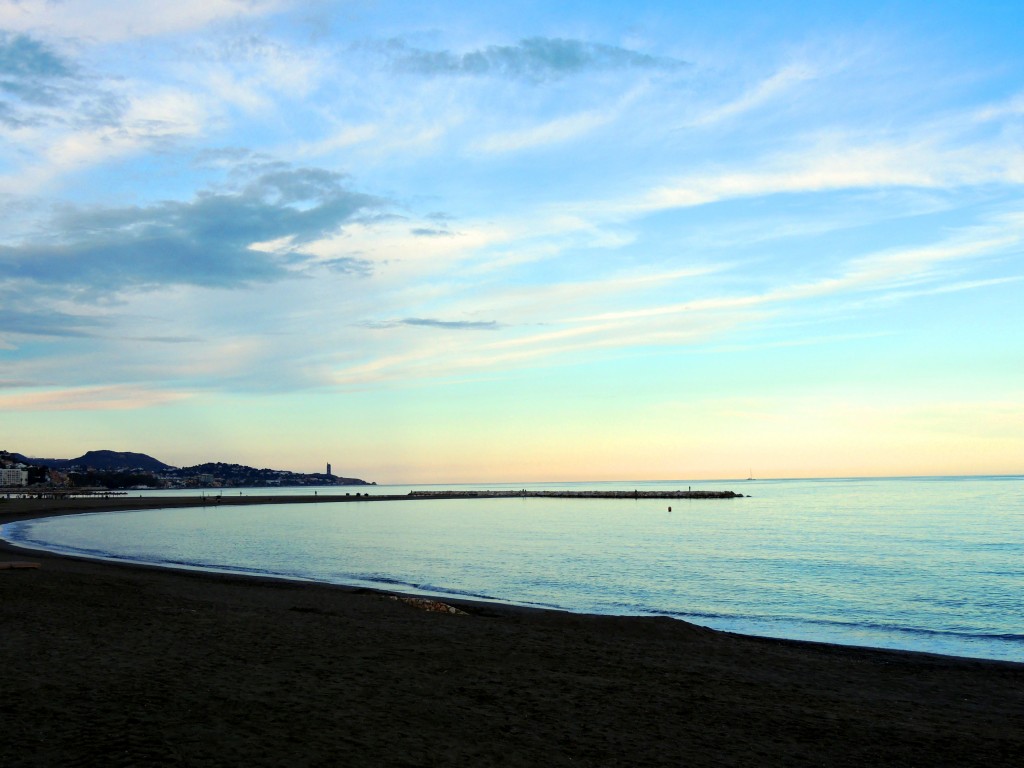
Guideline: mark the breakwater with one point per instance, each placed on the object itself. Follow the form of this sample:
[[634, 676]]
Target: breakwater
[[34, 503], [525, 493]]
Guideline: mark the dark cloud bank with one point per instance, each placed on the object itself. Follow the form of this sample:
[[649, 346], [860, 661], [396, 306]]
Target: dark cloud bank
[[460, 325], [86, 254], [430, 322], [204, 242], [535, 58], [31, 76], [23, 57], [39, 86]]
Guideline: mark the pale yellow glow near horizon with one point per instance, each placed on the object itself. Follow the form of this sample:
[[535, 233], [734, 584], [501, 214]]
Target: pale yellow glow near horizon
[[822, 440], [467, 442]]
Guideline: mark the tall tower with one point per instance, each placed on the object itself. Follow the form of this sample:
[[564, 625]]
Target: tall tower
[[328, 469]]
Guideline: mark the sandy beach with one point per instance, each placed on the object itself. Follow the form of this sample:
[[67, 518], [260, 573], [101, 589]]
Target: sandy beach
[[108, 664]]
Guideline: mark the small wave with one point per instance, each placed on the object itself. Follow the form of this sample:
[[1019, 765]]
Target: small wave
[[535, 604], [436, 590], [98, 554], [920, 631], [29, 543], [690, 615], [377, 578], [433, 589], [455, 592], [224, 568], [1011, 637]]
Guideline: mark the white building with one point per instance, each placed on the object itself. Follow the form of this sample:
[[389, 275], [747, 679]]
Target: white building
[[13, 476]]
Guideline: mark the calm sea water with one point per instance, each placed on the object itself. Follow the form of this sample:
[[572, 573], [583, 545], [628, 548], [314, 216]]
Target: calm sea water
[[930, 564]]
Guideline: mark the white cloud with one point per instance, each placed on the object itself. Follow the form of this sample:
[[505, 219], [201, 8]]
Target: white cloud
[[557, 280], [260, 76], [227, 88], [147, 122], [398, 254], [115, 20]]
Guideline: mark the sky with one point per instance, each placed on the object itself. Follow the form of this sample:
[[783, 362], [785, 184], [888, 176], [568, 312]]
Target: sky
[[516, 241]]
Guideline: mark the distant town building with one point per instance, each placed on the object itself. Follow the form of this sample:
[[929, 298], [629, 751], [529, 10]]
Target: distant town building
[[328, 469], [56, 477], [13, 476]]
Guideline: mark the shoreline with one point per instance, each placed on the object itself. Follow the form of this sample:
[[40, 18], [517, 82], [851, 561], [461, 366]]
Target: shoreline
[[131, 663], [20, 509]]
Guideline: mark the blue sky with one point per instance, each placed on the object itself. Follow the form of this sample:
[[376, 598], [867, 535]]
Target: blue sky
[[509, 241]]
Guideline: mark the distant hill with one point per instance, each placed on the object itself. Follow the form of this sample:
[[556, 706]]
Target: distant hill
[[241, 475], [104, 461], [208, 475]]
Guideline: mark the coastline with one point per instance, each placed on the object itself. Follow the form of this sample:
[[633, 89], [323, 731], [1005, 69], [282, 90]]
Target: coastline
[[130, 663]]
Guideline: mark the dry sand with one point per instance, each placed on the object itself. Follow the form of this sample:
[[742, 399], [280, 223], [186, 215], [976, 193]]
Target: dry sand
[[112, 665]]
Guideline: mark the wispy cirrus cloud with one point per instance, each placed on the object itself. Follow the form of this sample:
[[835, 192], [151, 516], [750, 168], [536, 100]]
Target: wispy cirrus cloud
[[550, 325], [766, 91], [884, 275], [830, 163], [102, 398], [555, 131]]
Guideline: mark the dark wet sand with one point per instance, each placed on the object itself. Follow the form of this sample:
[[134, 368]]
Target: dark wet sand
[[116, 665]]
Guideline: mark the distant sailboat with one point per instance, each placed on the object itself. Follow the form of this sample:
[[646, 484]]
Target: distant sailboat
[[750, 474]]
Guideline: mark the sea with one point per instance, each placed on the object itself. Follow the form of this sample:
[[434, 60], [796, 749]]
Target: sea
[[933, 564]]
